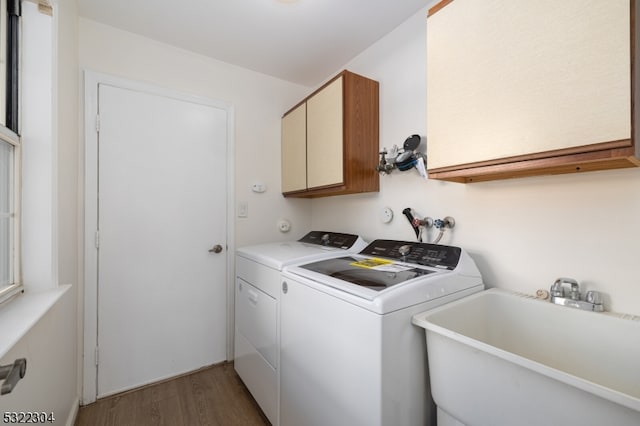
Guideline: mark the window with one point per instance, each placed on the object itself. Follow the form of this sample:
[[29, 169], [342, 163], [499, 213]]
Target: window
[[10, 282]]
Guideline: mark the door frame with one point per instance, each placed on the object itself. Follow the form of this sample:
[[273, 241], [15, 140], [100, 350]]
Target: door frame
[[90, 326]]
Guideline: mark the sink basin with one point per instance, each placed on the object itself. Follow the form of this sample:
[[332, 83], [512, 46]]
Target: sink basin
[[502, 358]]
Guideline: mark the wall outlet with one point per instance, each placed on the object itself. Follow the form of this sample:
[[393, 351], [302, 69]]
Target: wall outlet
[[284, 225], [386, 215], [259, 187]]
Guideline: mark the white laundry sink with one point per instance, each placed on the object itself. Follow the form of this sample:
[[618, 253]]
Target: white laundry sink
[[502, 358]]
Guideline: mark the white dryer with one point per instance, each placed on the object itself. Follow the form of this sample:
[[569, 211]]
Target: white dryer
[[349, 354], [257, 293]]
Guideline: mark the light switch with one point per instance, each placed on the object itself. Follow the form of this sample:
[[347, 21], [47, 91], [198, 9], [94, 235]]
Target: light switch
[[243, 209]]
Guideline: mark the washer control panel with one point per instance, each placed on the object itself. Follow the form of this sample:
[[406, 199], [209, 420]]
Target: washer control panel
[[425, 254]]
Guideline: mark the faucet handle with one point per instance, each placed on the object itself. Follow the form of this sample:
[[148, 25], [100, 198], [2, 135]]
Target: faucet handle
[[574, 294], [557, 289], [594, 297]]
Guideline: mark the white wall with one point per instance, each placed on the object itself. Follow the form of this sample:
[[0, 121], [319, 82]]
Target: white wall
[[38, 181], [523, 233], [49, 384], [66, 129], [258, 100]]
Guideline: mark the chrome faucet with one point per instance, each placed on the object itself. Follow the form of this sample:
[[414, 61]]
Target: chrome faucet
[[561, 295]]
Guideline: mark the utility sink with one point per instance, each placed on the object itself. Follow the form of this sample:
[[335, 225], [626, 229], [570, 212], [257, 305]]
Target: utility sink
[[502, 358]]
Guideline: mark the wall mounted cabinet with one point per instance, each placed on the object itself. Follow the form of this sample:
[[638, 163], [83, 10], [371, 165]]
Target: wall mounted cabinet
[[294, 150], [523, 88], [330, 140]]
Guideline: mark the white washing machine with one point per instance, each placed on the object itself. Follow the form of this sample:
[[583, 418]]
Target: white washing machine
[[256, 306], [349, 354]]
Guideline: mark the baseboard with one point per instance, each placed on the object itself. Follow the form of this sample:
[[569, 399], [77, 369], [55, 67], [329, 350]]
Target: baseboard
[[71, 420]]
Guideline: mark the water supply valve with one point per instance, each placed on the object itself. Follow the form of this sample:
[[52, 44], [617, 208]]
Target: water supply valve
[[416, 223], [442, 225], [448, 222], [385, 166]]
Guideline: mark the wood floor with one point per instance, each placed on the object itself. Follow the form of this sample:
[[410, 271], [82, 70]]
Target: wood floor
[[211, 396]]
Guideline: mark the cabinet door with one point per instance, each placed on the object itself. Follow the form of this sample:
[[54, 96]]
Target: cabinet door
[[510, 78], [294, 150], [325, 136]]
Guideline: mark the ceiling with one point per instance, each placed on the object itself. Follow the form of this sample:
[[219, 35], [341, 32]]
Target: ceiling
[[301, 41]]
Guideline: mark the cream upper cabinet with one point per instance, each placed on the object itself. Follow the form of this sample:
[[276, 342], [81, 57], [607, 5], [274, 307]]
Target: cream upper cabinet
[[294, 150], [520, 87], [324, 136], [330, 140]]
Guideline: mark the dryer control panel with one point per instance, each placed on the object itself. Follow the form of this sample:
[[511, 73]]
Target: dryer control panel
[[330, 239]]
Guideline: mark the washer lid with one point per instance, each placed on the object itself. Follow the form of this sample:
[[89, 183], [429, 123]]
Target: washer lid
[[391, 274], [370, 272]]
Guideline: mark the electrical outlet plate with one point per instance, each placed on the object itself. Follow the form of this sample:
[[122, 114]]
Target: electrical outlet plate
[[259, 187], [386, 215], [284, 225]]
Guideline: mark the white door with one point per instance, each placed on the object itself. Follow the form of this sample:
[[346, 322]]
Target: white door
[[161, 290]]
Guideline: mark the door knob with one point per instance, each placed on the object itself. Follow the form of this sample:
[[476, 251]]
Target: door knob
[[215, 249]]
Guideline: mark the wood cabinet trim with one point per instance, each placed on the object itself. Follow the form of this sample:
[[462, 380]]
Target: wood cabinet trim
[[361, 134], [559, 153], [614, 158], [434, 9]]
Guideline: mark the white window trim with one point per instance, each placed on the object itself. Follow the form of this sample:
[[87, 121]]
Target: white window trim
[[11, 290], [36, 243]]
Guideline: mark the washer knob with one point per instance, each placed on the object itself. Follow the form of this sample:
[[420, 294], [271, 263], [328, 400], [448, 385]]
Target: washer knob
[[325, 239], [404, 250]]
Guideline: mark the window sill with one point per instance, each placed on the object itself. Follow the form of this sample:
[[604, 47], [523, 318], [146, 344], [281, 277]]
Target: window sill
[[19, 315]]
